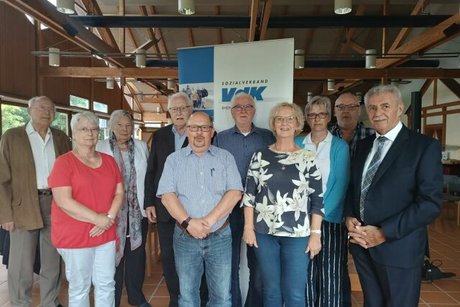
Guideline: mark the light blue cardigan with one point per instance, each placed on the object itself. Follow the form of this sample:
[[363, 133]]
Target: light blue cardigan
[[337, 183]]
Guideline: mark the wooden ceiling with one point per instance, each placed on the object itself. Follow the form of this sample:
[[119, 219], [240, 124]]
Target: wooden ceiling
[[423, 34]]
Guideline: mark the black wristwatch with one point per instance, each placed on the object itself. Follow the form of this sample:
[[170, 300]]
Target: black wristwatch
[[184, 223]]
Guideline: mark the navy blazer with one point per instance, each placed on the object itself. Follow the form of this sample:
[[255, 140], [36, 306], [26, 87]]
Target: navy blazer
[[404, 197], [162, 146]]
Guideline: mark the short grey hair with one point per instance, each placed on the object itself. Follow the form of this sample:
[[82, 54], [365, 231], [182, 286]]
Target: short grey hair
[[36, 99], [88, 115], [242, 95], [116, 115], [180, 95], [297, 113], [319, 101], [385, 88]]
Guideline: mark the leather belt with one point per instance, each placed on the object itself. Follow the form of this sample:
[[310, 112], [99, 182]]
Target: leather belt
[[225, 224], [43, 192]]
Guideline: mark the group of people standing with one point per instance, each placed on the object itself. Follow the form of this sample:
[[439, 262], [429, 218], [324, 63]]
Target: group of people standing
[[298, 204]]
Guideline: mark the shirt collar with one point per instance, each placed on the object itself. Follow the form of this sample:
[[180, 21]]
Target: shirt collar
[[254, 129], [392, 134], [307, 139], [174, 130], [30, 129], [189, 151]]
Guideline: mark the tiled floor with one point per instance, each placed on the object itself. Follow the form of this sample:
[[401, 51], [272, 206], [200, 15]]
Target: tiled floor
[[444, 245]]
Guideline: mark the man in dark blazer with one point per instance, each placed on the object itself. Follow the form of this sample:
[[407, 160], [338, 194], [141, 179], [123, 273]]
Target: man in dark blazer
[[395, 192], [27, 155], [166, 141]]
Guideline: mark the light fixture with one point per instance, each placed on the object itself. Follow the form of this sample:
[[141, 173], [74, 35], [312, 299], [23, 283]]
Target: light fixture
[[170, 84], [342, 7], [140, 58], [309, 96], [53, 57], [109, 83], [370, 58], [330, 85], [65, 6], [299, 58], [186, 7]]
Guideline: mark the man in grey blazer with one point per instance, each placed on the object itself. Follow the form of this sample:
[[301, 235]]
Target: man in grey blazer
[[27, 155]]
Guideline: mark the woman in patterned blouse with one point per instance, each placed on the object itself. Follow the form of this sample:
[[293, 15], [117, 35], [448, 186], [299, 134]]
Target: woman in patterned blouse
[[283, 209]]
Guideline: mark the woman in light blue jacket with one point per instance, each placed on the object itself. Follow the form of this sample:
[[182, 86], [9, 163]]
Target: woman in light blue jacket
[[332, 158], [131, 157]]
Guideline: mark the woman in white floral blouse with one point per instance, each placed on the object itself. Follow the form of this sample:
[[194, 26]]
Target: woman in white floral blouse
[[283, 209]]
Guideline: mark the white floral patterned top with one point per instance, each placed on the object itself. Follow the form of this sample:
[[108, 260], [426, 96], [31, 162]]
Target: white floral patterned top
[[283, 188]]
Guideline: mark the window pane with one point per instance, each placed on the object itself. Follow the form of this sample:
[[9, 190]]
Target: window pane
[[104, 134], [13, 116], [100, 107], [80, 102], [61, 122]]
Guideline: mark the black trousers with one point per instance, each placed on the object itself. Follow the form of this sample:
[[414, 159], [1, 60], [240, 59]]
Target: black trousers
[[131, 271], [165, 236]]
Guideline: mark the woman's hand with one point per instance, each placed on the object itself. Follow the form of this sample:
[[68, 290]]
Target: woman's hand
[[103, 221], [96, 231], [249, 236], [314, 245]]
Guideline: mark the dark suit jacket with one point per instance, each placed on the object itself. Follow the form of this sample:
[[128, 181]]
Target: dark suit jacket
[[404, 197], [162, 147]]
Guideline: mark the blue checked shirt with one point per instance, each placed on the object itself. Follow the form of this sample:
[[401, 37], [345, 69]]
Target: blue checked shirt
[[361, 132], [200, 182]]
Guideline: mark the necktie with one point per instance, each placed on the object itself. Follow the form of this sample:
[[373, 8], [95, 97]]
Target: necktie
[[370, 173]]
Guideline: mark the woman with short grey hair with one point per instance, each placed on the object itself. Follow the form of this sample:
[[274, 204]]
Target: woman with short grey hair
[[131, 157], [87, 194]]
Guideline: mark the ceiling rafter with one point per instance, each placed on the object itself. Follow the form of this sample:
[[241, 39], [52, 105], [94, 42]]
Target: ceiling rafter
[[351, 31], [134, 96], [426, 86], [161, 40], [311, 32], [132, 38], [93, 8], [150, 31], [218, 30], [285, 9], [253, 14], [404, 32], [299, 74], [265, 18], [430, 38], [191, 39], [452, 85]]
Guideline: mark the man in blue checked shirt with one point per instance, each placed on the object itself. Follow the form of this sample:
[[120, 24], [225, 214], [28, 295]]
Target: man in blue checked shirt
[[199, 187], [242, 140]]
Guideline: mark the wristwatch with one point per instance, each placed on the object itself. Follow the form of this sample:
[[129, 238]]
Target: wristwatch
[[185, 222]]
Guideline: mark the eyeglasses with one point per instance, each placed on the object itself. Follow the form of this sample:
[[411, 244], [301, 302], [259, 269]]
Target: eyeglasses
[[88, 130], [241, 107], [177, 109], [347, 107], [287, 119], [203, 128], [321, 115]]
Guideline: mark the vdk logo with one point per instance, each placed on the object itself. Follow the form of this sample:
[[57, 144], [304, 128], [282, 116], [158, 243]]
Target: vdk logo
[[254, 91]]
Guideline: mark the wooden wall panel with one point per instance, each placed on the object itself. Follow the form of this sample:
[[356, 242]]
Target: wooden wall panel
[[17, 64]]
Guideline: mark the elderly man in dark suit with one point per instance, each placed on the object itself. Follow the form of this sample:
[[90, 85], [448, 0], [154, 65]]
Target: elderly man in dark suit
[[166, 141], [27, 155], [395, 192]]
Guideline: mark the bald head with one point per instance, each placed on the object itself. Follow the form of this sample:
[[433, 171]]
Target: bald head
[[199, 132]]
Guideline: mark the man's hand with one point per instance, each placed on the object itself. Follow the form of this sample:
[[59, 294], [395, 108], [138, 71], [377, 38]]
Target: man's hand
[[151, 214], [9, 226], [355, 234], [373, 235], [198, 228], [249, 237]]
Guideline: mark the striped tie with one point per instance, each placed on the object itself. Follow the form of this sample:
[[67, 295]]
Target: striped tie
[[371, 170]]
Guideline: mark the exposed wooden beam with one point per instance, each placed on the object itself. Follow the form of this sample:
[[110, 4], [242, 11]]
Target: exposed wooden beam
[[284, 13], [299, 74], [351, 31], [452, 85], [93, 9], [359, 49], [310, 33], [428, 39], [253, 21], [426, 86], [386, 12], [191, 39], [134, 96], [46, 13], [161, 40], [132, 38], [219, 30], [405, 31], [265, 18], [150, 31]]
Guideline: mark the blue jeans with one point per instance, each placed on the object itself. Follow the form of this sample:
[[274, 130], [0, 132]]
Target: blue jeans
[[214, 256], [283, 264]]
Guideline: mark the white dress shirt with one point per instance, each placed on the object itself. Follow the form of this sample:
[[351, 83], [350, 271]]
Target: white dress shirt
[[322, 156]]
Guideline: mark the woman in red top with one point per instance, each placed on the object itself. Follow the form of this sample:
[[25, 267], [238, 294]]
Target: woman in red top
[[87, 194]]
